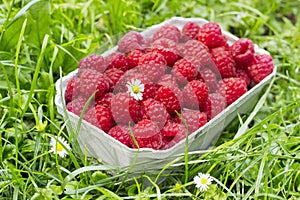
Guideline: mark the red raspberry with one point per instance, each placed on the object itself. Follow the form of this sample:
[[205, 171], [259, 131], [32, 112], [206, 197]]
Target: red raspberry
[[195, 94], [114, 76], [167, 48], [190, 30], [133, 58], [72, 89], [171, 129], [232, 89], [172, 133], [125, 109], [224, 62], [105, 100], [261, 67], [147, 135], [184, 71], [100, 117], [211, 35], [153, 58], [241, 73], [76, 105], [214, 105], [193, 48], [91, 81], [167, 79], [171, 97], [153, 71], [117, 60], [197, 53], [94, 62], [242, 52], [165, 43], [209, 78], [122, 134], [168, 31], [131, 41], [150, 90], [193, 118], [155, 111]]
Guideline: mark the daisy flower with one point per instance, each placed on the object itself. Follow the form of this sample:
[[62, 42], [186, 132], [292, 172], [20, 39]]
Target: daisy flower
[[58, 146], [202, 181], [135, 89]]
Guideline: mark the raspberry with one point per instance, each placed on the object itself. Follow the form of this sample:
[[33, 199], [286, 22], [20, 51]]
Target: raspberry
[[214, 105], [114, 76], [171, 129], [153, 71], [184, 71], [242, 52], [76, 105], [193, 118], [131, 41], [171, 97], [100, 117], [91, 81], [261, 67], [94, 62], [105, 100], [168, 31], [211, 35], [209, 78], [147, 135], [197, 53], [155, 111], [150, 90], [122, 134], [152, 58], [133, 58], [224, 62], [195, 94], [193, 48], [190, 30], [72, 89], [167, 79], [241, 73], [172, 133], [125, 109], [232, 89], [117, 60], [165, 43], [167, 48]]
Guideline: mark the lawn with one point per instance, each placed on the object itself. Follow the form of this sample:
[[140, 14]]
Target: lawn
[[42, 40]]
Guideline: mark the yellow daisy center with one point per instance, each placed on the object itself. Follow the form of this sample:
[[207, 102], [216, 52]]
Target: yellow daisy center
[[135, 89], [59, 147], [204, 181]]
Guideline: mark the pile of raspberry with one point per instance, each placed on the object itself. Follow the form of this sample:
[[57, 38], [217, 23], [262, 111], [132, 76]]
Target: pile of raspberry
[[184, 78]]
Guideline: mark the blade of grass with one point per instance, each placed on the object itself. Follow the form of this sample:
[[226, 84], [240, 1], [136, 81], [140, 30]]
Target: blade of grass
[[36, 74], [17, 71]]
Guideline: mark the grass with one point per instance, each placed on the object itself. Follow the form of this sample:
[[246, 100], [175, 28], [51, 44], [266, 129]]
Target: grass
[[39, 37]]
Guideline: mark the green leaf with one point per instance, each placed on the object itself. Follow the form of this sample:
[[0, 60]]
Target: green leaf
[[38, 23], [56, 189], [37, 13]]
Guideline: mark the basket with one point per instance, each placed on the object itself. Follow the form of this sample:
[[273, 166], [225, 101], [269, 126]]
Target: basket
[[100, 145]]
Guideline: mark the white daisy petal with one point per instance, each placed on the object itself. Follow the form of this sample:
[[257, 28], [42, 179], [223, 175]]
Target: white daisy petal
[[135, 89], [59, 146], [203, 181]]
